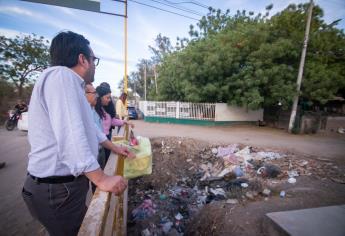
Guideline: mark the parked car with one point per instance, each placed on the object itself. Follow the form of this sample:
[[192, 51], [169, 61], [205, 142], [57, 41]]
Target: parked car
[[23, 122], [132, 113]]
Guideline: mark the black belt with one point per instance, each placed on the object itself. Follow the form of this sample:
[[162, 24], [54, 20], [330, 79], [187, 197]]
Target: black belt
[[55, 179]]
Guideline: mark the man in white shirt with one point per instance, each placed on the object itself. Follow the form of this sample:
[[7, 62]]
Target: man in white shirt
[[64, 139]]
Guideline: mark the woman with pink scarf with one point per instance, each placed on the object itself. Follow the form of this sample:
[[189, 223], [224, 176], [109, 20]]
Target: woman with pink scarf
[[104, 98]]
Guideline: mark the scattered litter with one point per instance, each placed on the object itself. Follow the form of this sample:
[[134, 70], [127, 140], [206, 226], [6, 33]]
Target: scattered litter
[[230, 174], [269, 155], [166, 227], [232, 201], [292, 180], [231, 159], [250, 195], [238, 171], [146, 232], [269, 171], [245, 155], [224, 151], [214, 151], [303, 163], [218, 191], [145, 210], [341, 130], [224, 172], [266, 192], [339, 181], [293, 173], [179, 216]]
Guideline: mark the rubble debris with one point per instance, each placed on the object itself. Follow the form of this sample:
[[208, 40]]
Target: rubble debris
[[266, 192], [269, 171], [341, 130], [232, 201], [146, 232], [179, 216], [166, 227], [218, 191], [292, 180], [293, 173], [250, 195], [145, 210], [225, 151], [269, 155], [231, 174]]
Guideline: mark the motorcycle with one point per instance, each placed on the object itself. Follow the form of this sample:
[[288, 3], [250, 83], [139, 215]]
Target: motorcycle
[[13, 117]]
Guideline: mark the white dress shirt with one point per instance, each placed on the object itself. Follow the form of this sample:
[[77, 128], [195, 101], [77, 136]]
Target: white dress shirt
[[62, 133]]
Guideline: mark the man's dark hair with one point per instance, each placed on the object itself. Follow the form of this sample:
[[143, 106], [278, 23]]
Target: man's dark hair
[[66, 47]]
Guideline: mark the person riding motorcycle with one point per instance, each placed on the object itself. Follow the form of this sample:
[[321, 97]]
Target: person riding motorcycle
[[19, 108]]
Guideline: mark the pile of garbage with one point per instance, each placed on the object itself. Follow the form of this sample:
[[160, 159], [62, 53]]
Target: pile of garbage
[[224, 173]]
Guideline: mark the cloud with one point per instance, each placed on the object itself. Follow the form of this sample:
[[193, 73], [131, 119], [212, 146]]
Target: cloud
[[9, 10], [9, 33]]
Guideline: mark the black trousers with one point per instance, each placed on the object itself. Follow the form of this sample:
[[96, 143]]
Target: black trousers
[[59, 207]]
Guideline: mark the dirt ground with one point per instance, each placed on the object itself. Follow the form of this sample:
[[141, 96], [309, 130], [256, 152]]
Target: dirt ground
[[174, 190], [170, 169]]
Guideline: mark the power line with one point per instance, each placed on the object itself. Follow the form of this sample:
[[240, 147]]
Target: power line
[[180, 8], [191, 2], [175, 13]]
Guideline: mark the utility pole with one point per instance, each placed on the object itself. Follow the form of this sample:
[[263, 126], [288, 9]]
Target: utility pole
[[301, 67], [155, 74], [125, 81], [145, 80]]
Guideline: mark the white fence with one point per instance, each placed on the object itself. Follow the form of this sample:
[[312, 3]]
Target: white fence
[[199, 111], [179, 110]]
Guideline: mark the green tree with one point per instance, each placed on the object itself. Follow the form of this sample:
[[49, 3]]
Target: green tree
[[22, 58], [252, 61]]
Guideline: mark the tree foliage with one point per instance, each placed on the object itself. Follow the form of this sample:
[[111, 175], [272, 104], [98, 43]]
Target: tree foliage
[[252, 60], [22, 58]]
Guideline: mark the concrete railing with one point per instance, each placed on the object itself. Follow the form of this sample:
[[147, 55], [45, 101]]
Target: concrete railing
[[107, 213]]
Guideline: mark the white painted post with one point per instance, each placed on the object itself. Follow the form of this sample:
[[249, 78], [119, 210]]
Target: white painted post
[[177, 110]]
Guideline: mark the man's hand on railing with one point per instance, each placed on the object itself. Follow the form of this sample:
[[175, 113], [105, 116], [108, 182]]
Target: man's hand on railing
[[114, 184]]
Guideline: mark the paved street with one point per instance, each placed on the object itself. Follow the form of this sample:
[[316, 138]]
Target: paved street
[[14, 217], [14, 147]]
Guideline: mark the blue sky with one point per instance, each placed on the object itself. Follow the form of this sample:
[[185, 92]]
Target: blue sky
[[106, 32]]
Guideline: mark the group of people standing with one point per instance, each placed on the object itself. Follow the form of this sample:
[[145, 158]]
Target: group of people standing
[[69, 129], [104, 114]]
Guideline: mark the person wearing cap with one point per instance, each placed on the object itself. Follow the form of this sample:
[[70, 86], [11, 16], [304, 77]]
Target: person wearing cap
[[64, 139]]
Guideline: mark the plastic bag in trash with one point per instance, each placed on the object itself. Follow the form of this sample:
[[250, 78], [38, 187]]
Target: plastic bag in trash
[[142, 164]]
